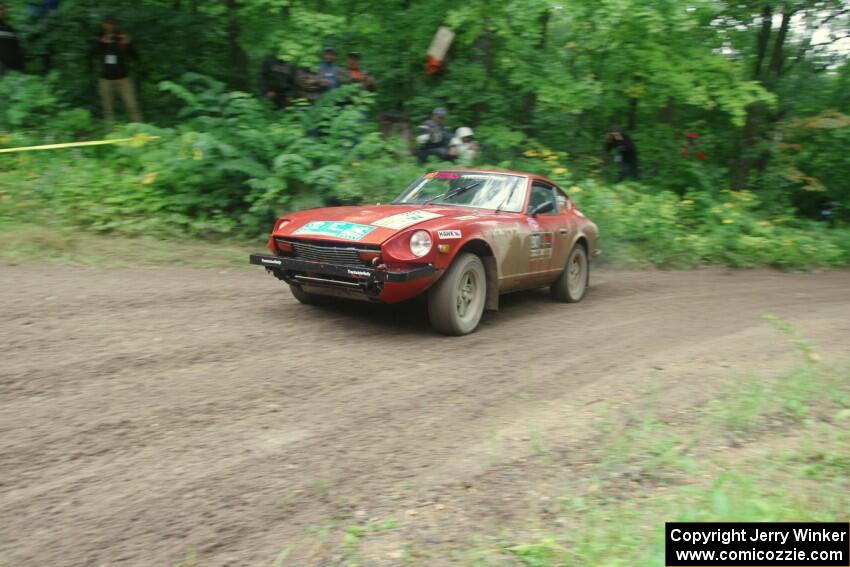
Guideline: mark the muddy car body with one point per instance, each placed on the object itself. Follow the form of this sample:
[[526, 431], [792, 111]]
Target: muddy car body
[[463, 236]]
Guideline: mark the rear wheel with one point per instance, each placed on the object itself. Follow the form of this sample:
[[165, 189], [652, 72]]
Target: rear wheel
[[304, 297], [456, 302], [571, 285]]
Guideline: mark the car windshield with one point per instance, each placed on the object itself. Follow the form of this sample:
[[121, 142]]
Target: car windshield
[[468, 189]]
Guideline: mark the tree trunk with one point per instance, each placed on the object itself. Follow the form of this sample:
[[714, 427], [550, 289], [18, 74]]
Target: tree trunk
[[749, 138], [774, 74], [484, 47], [633, 106], [763, 40], [777, 58], [529, 100], [238, 58]]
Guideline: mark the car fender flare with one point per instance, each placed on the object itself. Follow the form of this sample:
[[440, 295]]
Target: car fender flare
[[587, 240]]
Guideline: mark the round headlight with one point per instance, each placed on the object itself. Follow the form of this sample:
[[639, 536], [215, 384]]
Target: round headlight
[[420, 243]]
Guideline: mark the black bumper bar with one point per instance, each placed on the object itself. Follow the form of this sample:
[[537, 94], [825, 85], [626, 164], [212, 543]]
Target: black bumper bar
[[283, 264]]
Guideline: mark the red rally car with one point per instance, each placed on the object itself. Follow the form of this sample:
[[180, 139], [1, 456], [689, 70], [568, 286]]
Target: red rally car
[[463, 236]]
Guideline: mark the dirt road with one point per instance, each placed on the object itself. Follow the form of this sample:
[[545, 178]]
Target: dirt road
[[164, 416]]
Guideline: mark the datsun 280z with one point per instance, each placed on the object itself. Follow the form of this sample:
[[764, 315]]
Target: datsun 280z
[[461, 236]]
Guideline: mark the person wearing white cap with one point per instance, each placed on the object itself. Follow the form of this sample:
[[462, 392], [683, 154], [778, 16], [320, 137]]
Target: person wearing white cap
[[464, 147]]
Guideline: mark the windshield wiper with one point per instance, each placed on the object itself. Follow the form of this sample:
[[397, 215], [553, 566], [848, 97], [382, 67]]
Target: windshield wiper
[[507, 199], [453, 193]]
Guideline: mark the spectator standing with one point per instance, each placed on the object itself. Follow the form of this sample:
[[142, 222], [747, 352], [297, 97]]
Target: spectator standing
[[358, 75], [328, 69], [277, 81], [433, 137], [11, 55], [113, 49], [626, 154]]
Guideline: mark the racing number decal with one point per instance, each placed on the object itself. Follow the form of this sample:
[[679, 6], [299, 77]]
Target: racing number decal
[[404, 220], [541, 245]]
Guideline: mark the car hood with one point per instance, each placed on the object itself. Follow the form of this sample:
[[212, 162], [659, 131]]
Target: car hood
[[372, 224]]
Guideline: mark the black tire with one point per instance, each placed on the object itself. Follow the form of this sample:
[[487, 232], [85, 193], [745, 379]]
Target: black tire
[[456, 302], [304, 297], [571, 285]]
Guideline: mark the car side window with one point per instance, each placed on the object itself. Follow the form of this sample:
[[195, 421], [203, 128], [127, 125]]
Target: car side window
[[542, 193], [563, 202]]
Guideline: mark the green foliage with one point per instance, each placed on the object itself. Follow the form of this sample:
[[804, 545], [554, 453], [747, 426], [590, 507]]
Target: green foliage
[[528, 76], [796, 473], [233, 165], [645, 225], [32, 110], [230, 167]]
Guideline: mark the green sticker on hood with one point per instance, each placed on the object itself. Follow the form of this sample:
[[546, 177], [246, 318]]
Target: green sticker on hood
[[337, 229]]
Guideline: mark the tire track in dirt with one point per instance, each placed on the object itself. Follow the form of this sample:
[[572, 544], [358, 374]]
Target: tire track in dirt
[[159, 411]]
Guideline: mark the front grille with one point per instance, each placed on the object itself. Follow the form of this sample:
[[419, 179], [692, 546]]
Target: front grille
[[330, 253]]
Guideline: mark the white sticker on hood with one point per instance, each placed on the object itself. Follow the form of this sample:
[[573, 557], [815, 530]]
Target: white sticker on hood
[[449, 234], [404, 220]]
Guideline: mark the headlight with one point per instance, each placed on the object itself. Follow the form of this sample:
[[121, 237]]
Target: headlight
[[420, 243], [282, 224]]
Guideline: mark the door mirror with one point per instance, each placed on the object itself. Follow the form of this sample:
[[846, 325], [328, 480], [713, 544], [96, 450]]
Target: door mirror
[[543, 208]]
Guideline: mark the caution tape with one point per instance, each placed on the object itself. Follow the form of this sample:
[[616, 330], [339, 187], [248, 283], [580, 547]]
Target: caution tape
[[137, 140]]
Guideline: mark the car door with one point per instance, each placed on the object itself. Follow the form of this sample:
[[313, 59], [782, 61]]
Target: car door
[[565, 234], [547, 239]]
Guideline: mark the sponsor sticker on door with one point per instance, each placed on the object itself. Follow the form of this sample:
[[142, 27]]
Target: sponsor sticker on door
[[541, 245], [449, 234], [404, 220], [337, 229]]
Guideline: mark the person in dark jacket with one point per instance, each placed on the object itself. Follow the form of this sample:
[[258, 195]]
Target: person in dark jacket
[[626, 154], [11, 55], [113, 49], [432, 137], [277, 81]]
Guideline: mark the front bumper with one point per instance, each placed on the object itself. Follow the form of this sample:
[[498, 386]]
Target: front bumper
[[306, 272]]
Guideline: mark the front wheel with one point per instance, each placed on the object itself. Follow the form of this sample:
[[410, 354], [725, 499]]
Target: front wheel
[[571, 285], [304, 297], [456, 302]]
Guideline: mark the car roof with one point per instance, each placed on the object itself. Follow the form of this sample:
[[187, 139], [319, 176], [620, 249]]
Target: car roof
[[501, 171]]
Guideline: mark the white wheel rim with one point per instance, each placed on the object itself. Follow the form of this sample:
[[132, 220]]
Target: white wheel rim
[[577, 274], [467, 294]]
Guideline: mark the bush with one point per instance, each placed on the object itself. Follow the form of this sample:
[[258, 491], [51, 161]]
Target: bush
[[646, 225], [230, 167], [234, 164]]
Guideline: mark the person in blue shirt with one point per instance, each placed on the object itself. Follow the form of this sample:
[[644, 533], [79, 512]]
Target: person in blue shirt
[[328, 69]]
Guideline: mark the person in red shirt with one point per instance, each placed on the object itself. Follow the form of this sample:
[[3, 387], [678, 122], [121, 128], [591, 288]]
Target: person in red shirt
[[358, 75]]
